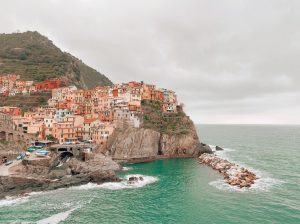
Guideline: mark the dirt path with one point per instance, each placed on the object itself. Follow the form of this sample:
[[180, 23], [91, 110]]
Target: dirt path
[[4, 170]]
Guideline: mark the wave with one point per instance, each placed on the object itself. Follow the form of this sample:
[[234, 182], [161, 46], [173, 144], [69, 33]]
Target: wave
[[126, 168], [263, 183], [120, 185], [57, 218], [20, 199], [223, 153], [8, 201], [260, 185]]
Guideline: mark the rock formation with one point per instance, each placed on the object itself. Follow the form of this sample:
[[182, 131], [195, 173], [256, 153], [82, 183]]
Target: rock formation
[[184, 144], [232, 173], [133, 143], [39, 175], [218, 148], [134, 179], [144, 144]]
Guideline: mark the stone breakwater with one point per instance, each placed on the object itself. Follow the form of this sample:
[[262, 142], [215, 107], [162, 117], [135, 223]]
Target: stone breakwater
[[232, 173]]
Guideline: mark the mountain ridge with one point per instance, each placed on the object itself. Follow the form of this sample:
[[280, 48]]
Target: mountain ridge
[[35, 57]]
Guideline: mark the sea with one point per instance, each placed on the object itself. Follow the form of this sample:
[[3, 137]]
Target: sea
[[182, 190]]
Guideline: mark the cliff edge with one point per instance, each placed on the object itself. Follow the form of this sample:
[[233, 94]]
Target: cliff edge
[[161, 135], [43, 174]]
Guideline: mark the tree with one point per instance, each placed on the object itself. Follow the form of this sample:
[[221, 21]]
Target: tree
[[23, 56], [50, 137]]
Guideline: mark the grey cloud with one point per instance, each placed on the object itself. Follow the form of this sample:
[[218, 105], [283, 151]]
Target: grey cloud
[[229, 61]]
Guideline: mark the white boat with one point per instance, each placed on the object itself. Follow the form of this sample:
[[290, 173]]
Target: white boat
[[42, 153]]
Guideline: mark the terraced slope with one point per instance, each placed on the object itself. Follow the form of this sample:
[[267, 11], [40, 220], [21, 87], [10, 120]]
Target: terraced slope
[[35, 57]]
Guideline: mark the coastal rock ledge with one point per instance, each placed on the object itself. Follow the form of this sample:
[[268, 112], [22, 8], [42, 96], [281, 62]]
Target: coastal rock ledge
[[232, 173], [143, 145]]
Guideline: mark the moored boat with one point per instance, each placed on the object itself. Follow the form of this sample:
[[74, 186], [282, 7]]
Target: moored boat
[[42, 153]]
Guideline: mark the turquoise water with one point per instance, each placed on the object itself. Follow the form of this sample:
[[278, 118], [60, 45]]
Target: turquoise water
[[183, 191]]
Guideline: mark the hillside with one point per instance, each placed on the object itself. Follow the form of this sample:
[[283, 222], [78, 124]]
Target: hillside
[[26, 102], [35, 57], [165, 123]]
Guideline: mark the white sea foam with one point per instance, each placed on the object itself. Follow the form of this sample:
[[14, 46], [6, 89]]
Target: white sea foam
[[57, 218], [260, 185], [120, 185], [8, 201], [263, 183], [22, 199], [126, 168], [213, 147]]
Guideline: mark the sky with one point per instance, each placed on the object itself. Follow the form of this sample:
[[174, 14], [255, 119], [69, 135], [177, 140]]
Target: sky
[[229, 61]]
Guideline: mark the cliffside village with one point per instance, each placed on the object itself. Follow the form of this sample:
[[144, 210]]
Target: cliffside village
[[76, 114], [11, 85]]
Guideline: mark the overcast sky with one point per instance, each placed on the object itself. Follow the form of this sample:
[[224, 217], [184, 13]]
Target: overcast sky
[[229, 61]]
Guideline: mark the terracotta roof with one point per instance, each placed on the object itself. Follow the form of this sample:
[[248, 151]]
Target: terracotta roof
[[88, 121]]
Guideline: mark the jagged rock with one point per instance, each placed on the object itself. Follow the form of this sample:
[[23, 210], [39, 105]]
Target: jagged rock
[[29, 177], [232, 173], [134, 143], [133, 178], [218, 148], [204, 148], [138, 145], [100, 176]]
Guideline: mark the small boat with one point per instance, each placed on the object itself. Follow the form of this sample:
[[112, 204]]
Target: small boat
[[8, 163], [20, 157], [31, 149], [34, 148], [42, 153]]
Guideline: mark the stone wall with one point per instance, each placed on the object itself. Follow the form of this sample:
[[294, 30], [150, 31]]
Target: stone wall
[[9, 134]]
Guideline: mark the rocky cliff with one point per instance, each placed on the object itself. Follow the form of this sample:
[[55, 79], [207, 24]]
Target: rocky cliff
[[133, 144], [145, 144], [39, 174], [180, 144]]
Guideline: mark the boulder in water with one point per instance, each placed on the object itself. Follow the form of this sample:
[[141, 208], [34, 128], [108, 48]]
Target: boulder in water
[[218, 148], [134, 179], [232, 173]]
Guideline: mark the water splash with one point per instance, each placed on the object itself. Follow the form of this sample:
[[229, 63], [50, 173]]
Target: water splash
[[126, 168], [262, 184], [57, 218], [120, 185], [9, 201]]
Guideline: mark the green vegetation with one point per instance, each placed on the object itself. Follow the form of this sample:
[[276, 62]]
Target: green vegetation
[[35, 57], [167, 123], [51, 137], [26, 102], [4, 142]]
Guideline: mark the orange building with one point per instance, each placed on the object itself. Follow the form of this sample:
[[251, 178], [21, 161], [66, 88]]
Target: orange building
[[157, 95], [101, 133], [106, 116], [70, 129], [134, 84], [134, 107], [10, 77], [12, 111], [48, 84], [115, 92], [147, 89]]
